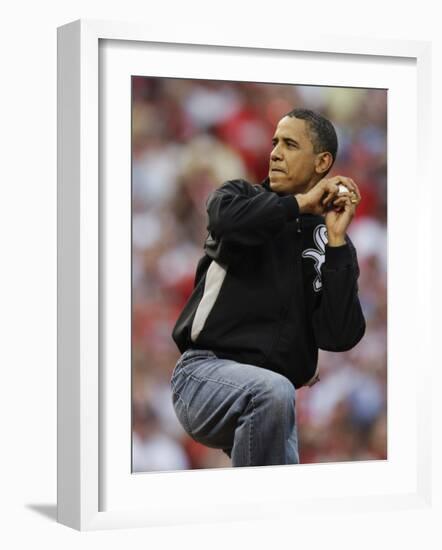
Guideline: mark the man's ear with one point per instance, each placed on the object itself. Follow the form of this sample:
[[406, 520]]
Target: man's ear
[[323, 162]]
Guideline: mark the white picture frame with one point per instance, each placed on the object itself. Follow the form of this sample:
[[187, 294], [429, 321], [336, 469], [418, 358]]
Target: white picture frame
[[81, 390]]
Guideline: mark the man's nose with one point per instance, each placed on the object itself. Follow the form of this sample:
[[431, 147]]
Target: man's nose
[[276, 153]]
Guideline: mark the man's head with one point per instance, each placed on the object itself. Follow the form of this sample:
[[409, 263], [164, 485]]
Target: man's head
[[304, 150]]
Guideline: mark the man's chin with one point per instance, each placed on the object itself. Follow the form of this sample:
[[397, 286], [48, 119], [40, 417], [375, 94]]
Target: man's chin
[[278, 186]]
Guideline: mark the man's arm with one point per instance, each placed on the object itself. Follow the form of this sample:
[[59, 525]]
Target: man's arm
[[245, 214], [338, 322]]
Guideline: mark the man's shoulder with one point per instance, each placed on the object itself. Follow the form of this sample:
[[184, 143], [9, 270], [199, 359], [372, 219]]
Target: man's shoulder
[[241, 185]]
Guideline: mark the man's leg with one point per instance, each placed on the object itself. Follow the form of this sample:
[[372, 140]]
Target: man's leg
[[245, 410]]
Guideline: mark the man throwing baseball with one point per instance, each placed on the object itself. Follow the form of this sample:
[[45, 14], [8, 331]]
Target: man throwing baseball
[[277, 281]]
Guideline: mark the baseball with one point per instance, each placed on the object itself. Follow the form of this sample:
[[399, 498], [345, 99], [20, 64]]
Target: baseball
[[343, 190]]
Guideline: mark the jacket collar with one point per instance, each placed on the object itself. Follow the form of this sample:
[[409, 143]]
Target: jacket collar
[[266, 184]]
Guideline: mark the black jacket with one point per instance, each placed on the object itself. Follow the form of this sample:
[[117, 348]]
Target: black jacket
[[268, 290]]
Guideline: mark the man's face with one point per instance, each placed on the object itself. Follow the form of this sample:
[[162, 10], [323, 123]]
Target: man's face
[[292, 160]]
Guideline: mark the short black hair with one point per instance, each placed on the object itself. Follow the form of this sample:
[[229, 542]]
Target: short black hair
[[321, 130]]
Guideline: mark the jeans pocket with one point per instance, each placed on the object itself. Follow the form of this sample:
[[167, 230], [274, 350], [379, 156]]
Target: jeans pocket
[[174, 376], [177, 370], [180, 408], [187, 359]]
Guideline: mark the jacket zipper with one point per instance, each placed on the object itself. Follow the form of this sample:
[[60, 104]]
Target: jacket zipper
[[286, 309]]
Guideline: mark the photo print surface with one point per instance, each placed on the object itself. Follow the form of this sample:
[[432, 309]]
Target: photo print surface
[[189, 137]]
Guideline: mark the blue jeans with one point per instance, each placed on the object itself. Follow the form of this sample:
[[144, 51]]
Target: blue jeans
[[247, 411]]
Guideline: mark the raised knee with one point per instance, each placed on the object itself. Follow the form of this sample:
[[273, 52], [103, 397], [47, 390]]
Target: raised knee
[[277, 392]]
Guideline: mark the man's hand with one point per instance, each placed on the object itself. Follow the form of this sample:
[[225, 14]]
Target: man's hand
[[338, 218], [321, 196], [324, 199]]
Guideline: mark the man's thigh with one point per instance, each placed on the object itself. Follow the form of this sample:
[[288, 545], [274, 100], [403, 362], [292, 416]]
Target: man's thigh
[[211, 394]]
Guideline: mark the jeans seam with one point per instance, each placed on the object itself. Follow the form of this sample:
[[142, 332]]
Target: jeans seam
[[252, 429]]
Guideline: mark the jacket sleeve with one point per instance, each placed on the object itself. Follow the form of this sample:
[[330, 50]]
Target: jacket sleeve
[[338, 322], [246, 214]]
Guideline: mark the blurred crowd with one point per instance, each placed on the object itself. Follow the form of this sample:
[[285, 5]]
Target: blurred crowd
[[188, 137]]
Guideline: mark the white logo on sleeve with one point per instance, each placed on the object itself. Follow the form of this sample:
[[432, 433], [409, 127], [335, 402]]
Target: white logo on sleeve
[[317, 254]]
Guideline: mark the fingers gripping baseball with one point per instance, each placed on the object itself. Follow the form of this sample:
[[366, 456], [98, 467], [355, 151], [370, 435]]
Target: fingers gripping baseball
[[350, 187], [339, 217], [327, 195], [341, 186]]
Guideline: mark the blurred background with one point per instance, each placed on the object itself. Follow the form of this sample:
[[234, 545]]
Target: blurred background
[[188, 137]]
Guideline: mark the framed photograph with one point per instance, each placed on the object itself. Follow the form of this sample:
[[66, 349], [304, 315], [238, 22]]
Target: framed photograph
[[148, 127]]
